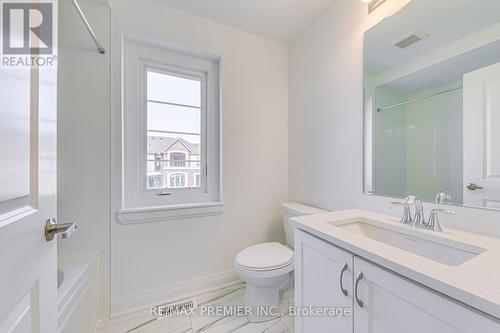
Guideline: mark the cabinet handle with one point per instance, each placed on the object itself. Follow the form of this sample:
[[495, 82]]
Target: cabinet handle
[[359, 278], [344, 269]]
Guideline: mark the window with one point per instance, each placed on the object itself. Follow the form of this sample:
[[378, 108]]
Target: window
[[157, 162], [177, 180], [174, 121], [155, 181], [177, 159], [171, 145]]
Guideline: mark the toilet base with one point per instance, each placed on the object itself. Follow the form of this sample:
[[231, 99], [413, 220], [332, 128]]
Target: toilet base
[[263, 297]]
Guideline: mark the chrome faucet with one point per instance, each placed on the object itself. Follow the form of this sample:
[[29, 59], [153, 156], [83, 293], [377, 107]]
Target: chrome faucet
[[419, 219], [409, 201], [443, 197], [433, 223]]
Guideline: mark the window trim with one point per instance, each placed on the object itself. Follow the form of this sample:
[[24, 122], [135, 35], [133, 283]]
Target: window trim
[[136, 202], [169, 213]]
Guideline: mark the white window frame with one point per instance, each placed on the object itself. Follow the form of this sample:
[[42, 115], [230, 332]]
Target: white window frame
[[138, 58]]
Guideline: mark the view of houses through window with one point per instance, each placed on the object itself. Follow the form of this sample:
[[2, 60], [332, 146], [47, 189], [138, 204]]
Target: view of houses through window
[[174, 131], [173, 163]]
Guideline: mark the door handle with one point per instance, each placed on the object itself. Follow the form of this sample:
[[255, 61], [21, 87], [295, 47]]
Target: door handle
[[474, 187], [344, 269], [359, 278], [52, 229]]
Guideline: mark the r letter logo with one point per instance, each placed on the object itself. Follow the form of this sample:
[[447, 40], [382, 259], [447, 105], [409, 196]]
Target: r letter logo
[[28, 33]]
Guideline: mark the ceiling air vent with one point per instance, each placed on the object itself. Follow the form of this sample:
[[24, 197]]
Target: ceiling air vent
[[410, 39]]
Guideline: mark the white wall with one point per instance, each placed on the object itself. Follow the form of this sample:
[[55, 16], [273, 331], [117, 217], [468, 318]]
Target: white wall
[[325, 116], [83, 135], [325, 99], [154, 261]]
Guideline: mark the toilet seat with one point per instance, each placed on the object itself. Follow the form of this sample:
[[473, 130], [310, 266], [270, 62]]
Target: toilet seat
[[265, 257]]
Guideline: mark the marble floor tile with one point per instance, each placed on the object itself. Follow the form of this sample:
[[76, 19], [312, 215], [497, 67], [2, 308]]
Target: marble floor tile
[[289, 321], [279, 327], [165, 325], [225, 325], [204, 323], [273, 326]]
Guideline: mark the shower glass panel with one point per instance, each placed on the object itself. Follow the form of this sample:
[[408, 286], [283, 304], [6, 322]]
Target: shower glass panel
[[418, 142]]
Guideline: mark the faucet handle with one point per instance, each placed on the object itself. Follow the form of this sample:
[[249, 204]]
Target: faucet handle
[[410, 200], [443, 197], [434, 224], [399, 203], [406, 217]]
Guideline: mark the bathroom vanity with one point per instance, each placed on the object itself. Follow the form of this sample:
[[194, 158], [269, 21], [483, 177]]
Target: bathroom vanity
[[394, 277], [431, 97]]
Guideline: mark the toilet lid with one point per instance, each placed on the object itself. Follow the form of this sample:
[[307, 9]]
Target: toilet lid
[[265, 256]]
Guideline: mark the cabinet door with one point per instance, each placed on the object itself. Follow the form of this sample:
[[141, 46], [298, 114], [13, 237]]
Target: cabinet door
[[318, 270], [392, 304]]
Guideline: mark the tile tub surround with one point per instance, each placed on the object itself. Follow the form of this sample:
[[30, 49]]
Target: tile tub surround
[[197, 322], [473, 282]]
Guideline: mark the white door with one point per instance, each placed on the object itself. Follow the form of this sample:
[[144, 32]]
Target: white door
[[323, 279], [392, 304], [28, 268], [482, 137]]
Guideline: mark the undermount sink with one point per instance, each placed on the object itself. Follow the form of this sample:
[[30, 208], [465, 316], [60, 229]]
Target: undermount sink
[[407, 240]]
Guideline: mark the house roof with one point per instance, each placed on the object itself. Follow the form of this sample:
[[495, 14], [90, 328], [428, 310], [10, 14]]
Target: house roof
[[159, 144]]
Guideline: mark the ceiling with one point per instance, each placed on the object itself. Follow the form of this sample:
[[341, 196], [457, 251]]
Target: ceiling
[[279, 20], [444, 21], [448, 71]]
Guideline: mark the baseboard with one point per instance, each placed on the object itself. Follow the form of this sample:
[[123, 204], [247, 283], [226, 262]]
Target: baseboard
[[141, 301]]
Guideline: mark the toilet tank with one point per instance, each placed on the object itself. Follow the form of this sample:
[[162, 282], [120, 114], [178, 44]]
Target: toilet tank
[[292, 209]]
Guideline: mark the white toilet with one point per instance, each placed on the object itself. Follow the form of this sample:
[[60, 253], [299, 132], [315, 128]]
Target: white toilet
[[267, 268]]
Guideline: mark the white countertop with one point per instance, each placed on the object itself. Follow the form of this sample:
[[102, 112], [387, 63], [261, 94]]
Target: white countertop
[[475, 282]]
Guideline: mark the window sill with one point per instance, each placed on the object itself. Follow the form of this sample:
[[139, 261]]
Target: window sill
[[169, 213]]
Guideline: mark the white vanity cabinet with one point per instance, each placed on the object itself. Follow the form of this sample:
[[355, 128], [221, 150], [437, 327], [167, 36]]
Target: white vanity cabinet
[[319, 268], [393, 304], [382, 302]]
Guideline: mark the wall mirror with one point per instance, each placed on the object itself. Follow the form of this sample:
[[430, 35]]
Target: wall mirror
[[432, 103]]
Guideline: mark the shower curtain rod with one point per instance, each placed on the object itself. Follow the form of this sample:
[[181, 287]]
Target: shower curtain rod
[[101, 49], [416, 99]]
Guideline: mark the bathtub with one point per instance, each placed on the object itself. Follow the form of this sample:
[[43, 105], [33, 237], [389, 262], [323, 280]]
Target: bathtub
[[78, 294]]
